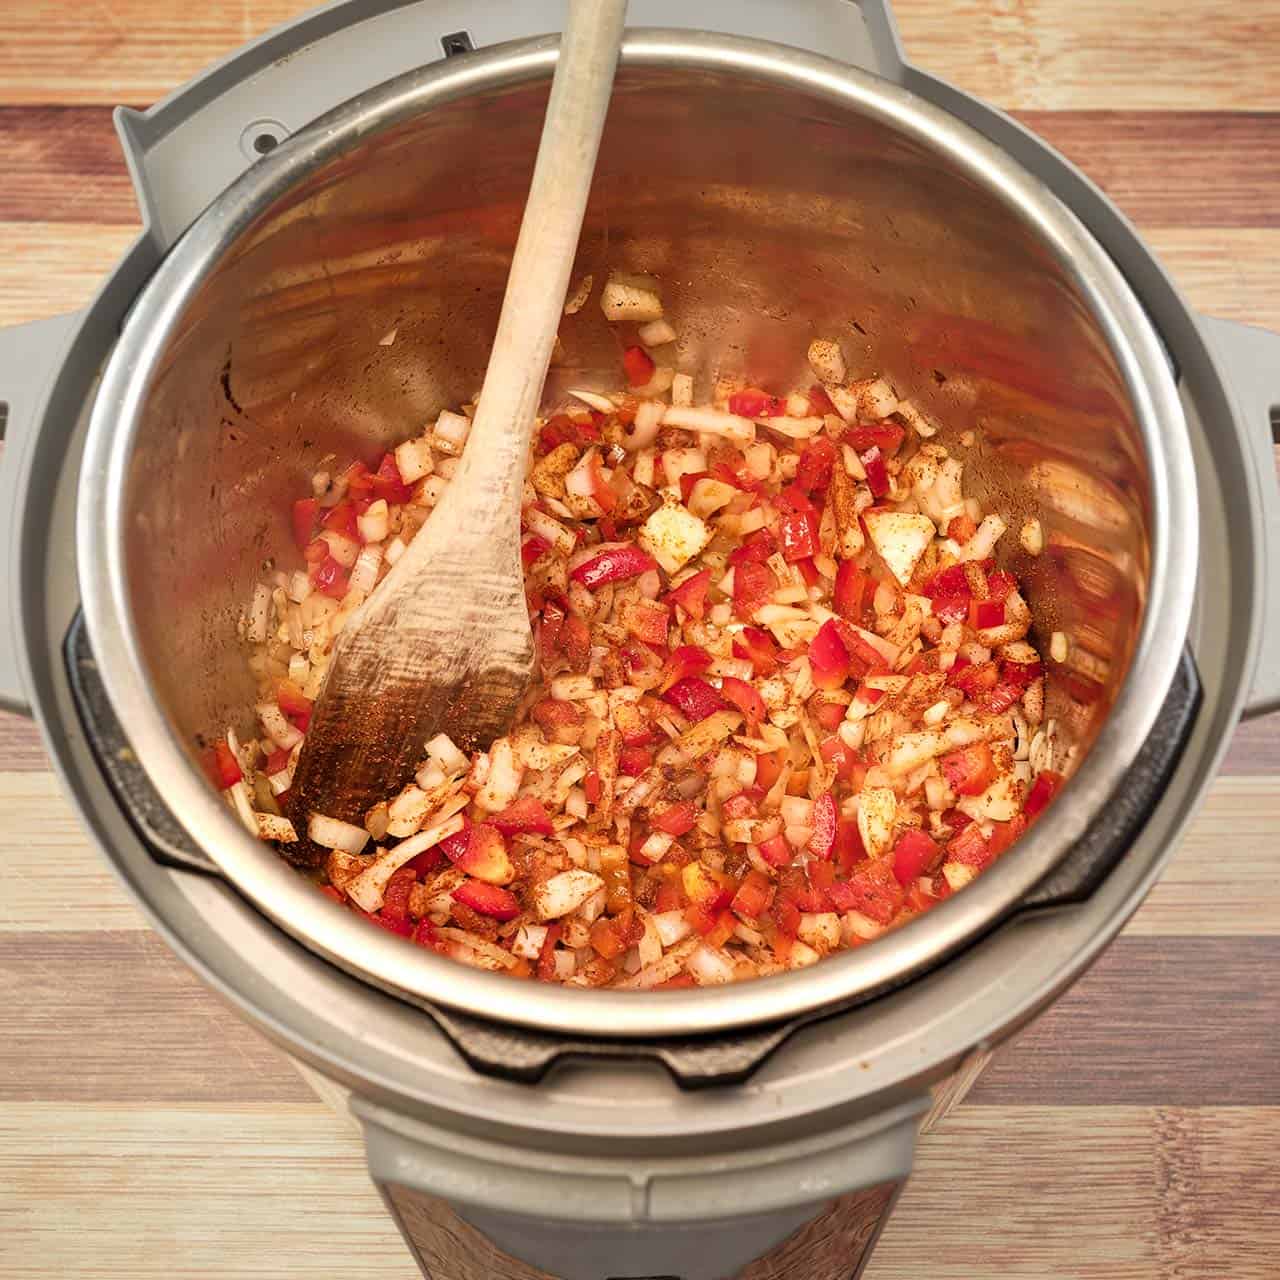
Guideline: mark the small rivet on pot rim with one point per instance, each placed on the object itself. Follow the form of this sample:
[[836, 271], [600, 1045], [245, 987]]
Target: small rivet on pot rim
[[260, 137]]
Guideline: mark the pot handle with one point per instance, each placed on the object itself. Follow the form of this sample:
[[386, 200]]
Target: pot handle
[[1249, 359], [813, 1207], [29, 354]]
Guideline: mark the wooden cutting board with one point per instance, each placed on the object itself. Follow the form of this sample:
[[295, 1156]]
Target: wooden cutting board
[[145, 1131]]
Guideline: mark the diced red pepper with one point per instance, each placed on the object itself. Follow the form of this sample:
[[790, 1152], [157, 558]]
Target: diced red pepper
[[759, 648], [677, 819], [691, 595], [886, 436], [969, 847], [1003, 834], [575, 642], [388, 483], [614, 565], [877, 473], [342, 519], [839, 755], [828, 657], [688, 480], [798, 533], [223, 766], [776, 851], [786, 916], [813, 473], [304, 521], [1020, 674], [695, 698], [490, 900], [951, 609], [607, 938], [753, 403], [742, 805], [820, 404], [849, 850], [647, 620], [745, 698], [1001, 585], [757, 548], [1043, 789], [402, 927], [825, 819], [915, 854], [684, 660], [961, 528], [331, 579], [828, 713], [969, 771], [638, 365], [395, 898], [875, 890], [294, 703], [276, 761], [851, 585], [753, 586], [1000, 699], [951, 581], [768, 769], [526, 815], [532, 549], [986, 613], [591, 785], [547, 955], [633, 761], [754, 896], [974, 680]]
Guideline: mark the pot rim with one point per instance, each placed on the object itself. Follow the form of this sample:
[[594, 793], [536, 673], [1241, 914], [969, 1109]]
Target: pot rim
[[419, 975]]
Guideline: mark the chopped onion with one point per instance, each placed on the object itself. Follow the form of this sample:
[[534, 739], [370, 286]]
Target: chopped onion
[[713, 421], [451, 431], [333, 833], [644, 430], [602, 404], [364, 576], [259, 614], [414, 460], [375, 523], [366, 889], [682, 390], [577, 300], [655, 333], [279, 728]]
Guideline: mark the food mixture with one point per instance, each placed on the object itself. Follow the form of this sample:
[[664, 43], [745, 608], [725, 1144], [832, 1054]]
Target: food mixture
[[785, 699]]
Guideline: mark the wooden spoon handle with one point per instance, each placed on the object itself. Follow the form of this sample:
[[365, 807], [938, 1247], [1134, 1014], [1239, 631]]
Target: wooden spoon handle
[[492, 468]]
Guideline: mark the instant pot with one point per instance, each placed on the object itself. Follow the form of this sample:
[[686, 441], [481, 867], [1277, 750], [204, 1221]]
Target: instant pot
[[358, 176]]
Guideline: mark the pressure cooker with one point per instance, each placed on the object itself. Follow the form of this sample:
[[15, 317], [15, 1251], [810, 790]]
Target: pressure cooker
[[787, 174]]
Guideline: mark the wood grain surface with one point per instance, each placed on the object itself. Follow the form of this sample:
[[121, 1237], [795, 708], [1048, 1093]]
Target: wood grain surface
[[1130, 1134]]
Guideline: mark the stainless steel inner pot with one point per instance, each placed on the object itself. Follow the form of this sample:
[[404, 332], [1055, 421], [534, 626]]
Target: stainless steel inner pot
[[779, 196]]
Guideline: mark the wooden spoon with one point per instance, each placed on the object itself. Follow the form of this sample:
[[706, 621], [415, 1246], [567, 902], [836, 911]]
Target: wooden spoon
[[444, 643]]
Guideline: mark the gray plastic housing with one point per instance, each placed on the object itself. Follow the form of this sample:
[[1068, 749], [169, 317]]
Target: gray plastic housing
[[186, 149]]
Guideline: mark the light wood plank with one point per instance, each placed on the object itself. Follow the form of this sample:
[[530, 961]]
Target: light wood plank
[[1046, 54], [1229, 272], [1140, 1194], [1054, 54], [1156, 1021], [47, 268], [101, 1016], [1222, 880], [183, 1192], [52, 876]]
